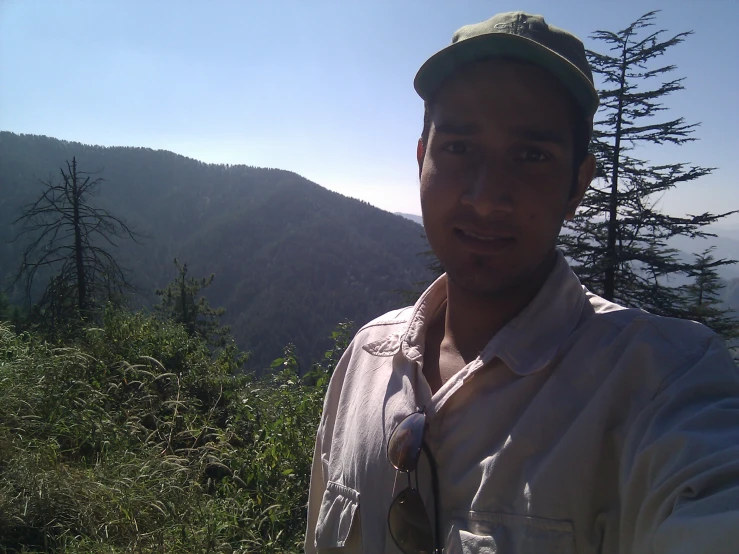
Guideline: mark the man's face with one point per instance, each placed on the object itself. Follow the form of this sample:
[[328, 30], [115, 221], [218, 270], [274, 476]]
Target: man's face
[[497, 174]]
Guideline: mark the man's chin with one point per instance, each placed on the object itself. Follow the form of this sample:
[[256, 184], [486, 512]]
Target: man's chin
[[483, 283], [488, 278]]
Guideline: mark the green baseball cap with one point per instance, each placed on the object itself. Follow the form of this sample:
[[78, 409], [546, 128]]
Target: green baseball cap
[[514, 35]]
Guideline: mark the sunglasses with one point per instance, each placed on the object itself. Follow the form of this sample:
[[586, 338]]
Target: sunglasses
[[408, 518]]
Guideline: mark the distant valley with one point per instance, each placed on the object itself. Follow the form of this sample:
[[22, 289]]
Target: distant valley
[[415, 218]]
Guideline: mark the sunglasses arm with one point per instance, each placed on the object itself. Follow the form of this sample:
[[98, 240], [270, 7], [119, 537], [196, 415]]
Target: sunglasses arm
[[438, 548]]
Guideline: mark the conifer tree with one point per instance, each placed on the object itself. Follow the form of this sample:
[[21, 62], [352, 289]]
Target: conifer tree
[[5, 311], [618, 239], [702, 296], [181, 302]]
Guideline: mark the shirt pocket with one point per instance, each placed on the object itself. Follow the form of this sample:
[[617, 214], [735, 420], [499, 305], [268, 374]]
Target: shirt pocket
[[338, 520], [497, 533]]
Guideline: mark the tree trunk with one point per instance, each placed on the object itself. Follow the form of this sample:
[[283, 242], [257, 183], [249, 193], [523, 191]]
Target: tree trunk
[[183, 302], [78, 248], [609, 281]]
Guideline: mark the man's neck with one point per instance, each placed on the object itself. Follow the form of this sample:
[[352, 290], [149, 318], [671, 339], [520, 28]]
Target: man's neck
[[472, 319]]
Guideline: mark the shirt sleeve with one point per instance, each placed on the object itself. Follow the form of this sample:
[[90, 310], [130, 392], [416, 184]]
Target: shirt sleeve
[[322, 453], [317, 487], [680, 473]]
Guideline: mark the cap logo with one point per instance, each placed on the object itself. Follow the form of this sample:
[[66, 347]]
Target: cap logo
[[515, 28]]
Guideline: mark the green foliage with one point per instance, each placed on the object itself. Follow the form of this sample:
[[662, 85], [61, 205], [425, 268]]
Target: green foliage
[[5, 309], [181, 302], [320, 373], [137, 438], [702, 297], [12, 314]]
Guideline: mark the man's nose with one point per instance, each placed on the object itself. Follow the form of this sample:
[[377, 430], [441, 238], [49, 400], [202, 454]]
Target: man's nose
[[489, 189]]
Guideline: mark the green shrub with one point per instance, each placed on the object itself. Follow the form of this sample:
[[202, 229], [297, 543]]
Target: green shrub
[[139, 438]]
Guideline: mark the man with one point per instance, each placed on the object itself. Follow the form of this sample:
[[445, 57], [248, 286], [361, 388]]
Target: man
[[510, 410]]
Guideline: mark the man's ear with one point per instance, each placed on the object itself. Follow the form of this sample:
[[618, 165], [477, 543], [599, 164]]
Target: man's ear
[[585, 175], [420, 154]]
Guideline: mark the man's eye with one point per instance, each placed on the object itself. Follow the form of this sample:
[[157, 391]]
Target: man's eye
[[532, 155], [457, 147]]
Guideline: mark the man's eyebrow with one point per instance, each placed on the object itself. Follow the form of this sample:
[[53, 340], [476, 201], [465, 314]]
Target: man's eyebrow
[[534, 134], [539, 135], [450, 128]]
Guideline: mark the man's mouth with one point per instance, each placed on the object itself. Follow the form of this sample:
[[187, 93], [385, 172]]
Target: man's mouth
[[485, 242], [489, 238]]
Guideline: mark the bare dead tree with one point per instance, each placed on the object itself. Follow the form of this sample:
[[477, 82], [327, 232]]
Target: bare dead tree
[[71, 242]]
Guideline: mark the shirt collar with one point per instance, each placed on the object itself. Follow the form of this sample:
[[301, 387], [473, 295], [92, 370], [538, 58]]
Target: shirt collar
[[525, 344]]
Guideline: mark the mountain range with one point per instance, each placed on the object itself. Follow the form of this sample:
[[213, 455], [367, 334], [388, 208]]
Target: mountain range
[[291, 259]]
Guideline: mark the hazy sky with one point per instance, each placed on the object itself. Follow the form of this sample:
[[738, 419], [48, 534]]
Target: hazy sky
[[322, 88]]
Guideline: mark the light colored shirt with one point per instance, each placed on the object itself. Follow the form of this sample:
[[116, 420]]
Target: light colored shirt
[[582, 427]]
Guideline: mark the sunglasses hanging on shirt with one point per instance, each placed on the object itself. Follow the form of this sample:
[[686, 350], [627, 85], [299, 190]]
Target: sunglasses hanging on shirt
[[408, 519]]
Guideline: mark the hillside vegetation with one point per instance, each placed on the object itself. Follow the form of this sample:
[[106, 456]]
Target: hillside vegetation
[[134, 437], [128, 429], [291, 259]]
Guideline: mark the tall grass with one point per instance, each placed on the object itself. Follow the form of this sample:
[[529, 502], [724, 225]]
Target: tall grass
[[136, 438]]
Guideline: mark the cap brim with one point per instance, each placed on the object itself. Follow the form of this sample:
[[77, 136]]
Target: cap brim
[[493, 45]]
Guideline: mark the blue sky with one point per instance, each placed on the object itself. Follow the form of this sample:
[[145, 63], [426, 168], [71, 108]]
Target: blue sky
[[322, 88]]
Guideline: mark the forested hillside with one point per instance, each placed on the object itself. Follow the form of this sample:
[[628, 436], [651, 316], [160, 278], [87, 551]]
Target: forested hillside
[[291, 258], [731, 295]]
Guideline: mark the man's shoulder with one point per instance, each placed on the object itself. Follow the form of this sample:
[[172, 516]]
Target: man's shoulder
[[382, 335], [388, 322], [637, 325]]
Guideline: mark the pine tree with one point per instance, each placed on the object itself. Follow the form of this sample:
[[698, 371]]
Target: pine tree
[[618, 240], [702, 296], [5, 311], [181, 302], [71, 244]]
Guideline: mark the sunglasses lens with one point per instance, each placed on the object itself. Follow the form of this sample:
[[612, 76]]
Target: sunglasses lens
[[404, 445], [409, 523]]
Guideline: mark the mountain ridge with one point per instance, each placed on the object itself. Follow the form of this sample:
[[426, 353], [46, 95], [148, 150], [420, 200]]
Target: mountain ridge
[[292, 259]]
